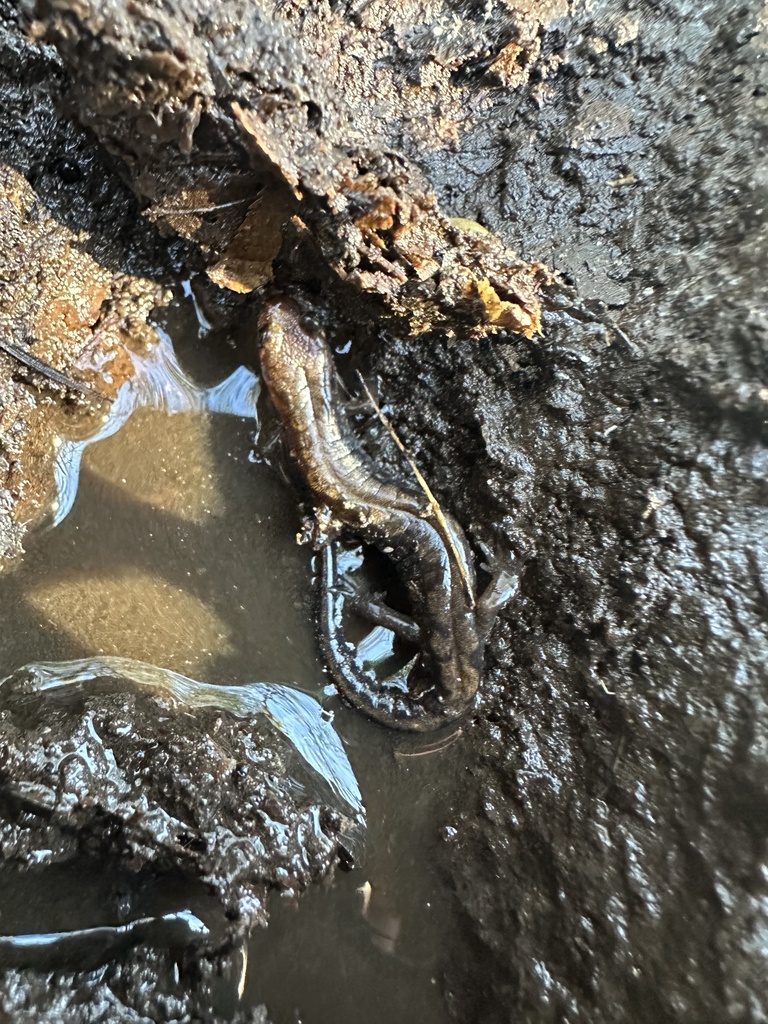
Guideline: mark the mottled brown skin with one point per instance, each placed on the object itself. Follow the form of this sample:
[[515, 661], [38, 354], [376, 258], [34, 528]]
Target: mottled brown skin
[[434, 559]]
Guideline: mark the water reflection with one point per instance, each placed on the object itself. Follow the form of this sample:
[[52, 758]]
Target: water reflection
[[160, 383], [85, 948]]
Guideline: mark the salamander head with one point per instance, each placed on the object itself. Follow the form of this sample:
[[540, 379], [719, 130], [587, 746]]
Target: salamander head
[[290, 341]]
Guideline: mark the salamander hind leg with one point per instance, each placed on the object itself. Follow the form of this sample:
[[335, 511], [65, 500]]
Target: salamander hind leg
[[500, 590]]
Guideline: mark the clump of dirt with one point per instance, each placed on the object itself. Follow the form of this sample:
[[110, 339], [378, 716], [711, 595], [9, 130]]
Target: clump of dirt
[[82, 273], [159, 784], [121, 773], [268, 105], [60, 311]]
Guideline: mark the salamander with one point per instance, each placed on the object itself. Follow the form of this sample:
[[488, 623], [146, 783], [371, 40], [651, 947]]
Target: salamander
[[433, 557]]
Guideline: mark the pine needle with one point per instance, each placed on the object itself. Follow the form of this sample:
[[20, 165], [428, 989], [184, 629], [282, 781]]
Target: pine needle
[[21, 355], [177, 211], [433, 503]]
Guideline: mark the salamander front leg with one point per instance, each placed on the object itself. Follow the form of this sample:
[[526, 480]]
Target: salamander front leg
[[499, 592], [372, 609]]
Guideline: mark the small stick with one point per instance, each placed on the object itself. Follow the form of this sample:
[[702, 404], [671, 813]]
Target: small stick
[[433, 503], [175, 211], [433, 748], [49, 372]]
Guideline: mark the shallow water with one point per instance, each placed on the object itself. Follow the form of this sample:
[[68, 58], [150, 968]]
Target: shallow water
[[176, 551], [172, 545]]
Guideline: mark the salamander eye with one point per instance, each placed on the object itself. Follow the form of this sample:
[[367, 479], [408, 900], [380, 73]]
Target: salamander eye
[[310, 325]]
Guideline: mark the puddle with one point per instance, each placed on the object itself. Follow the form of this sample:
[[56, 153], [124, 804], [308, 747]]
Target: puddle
[[169, 545], [172, 546], [372, 947]]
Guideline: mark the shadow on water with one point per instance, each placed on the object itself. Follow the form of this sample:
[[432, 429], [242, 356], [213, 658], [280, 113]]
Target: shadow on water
[[179, 549]]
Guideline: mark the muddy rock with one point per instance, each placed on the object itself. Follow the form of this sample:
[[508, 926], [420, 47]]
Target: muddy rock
[[128, 793], [97, 766]]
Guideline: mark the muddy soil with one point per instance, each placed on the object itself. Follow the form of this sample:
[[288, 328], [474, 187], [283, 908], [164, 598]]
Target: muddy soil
[[127, 795], [611, 859], [609, 851], [81, 272]]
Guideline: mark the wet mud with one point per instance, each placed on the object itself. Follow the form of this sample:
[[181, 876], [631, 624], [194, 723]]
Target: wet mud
[[80, 274], [161, 774], [610, 863], [592, 845]]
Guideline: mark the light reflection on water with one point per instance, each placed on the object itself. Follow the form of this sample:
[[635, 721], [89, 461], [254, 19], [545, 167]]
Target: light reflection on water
[[160, 383]]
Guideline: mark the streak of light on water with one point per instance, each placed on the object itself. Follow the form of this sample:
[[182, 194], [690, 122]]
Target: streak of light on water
[[159, 383]]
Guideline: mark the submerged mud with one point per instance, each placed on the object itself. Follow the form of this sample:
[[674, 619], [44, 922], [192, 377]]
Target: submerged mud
[[146, 986]]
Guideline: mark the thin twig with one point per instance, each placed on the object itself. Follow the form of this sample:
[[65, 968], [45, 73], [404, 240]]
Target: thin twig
[[433, 503], [176, 211], [432, 748], [49, 372]]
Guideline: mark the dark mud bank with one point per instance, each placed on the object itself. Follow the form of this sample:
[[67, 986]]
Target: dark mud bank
[[611, 858], [609, 851]]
